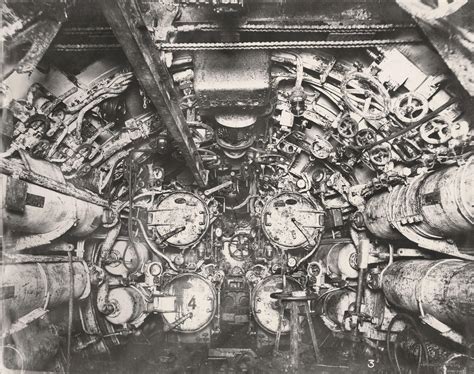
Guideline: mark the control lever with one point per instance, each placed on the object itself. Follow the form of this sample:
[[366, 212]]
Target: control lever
[[178, 322], [305, 233], [162, 238], [210, 191]]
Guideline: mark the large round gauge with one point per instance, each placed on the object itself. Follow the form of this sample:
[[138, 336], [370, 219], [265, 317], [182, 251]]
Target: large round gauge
[[181, 219], [266, 310], [291, 220], [195, 304]]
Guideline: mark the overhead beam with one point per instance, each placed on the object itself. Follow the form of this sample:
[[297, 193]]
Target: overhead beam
[[126, 21]]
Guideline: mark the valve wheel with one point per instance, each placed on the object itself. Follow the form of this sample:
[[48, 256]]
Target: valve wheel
[[410, 107], [365, 95], [435, 131], [239, 247], [347, 127], [365, 137], [380, 155]]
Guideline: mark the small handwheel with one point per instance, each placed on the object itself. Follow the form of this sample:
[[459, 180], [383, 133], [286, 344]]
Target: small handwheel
[[365, 137], [410, 107], [321, 148], [380, 155], [435, 131], [239, 247], [365, 95], [347, 127]]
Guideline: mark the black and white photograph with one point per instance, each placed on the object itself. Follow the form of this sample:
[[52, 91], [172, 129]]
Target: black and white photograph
[[237, 187]]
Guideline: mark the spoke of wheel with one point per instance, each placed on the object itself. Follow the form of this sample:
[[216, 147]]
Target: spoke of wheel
[[367, 103], [355, 90]]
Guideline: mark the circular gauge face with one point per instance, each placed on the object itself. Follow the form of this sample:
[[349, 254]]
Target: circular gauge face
[[291, 220], [266, 310], [181, 219], [195, 303]]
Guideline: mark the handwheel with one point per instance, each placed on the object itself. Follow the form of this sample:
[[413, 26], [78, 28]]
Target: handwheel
[[365, 137], [365, 95], [380, 155], [239, 247], [435, 131], [410, 107], [347, 127]]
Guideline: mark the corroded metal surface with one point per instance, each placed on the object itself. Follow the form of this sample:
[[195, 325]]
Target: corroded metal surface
[[442, 288]]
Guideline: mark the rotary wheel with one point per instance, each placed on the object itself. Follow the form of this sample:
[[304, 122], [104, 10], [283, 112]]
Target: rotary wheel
[[365, 95], [239, 247], [365, 137], [380, 155], [347, 127], [435, 131], [410, 107]]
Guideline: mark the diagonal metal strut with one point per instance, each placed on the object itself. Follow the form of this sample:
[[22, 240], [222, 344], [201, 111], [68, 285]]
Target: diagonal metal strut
[[125, 19]]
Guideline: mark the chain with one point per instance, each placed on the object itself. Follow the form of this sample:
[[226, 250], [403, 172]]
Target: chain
[[263, 27], [84, 47], [283, 44]]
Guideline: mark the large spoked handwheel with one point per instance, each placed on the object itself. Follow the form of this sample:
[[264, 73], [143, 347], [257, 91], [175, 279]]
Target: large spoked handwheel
[[365, 95]]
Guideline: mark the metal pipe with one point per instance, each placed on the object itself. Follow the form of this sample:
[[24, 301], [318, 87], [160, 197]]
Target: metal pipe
[[29, 286], [154, 248], [441, 288]]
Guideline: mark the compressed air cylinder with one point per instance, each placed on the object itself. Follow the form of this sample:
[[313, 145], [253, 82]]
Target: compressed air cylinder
[[27, 286], [443, 288], [435, 205], [38, 210]]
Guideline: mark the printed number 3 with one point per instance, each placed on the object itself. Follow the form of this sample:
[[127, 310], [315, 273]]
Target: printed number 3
[[371, 364]]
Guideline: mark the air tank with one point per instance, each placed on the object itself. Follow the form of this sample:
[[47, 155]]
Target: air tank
[[434, 205], [443, 288], [27, 286], [41, 210]]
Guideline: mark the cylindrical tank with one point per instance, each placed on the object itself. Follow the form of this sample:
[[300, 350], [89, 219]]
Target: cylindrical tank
[[47, 211], [339, 259], [443, 288], [28, 286], [434, 205]]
